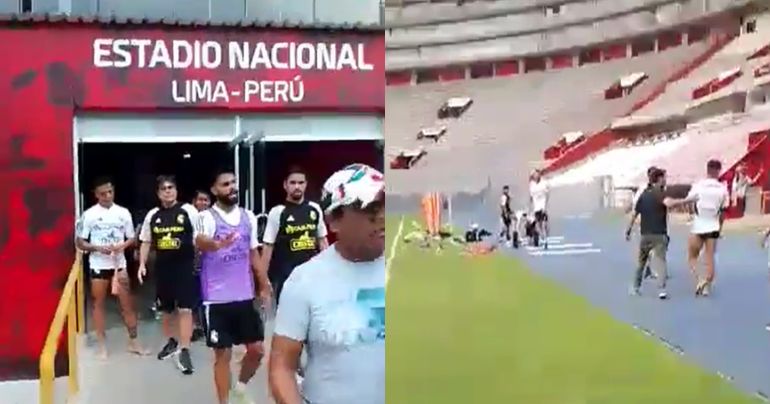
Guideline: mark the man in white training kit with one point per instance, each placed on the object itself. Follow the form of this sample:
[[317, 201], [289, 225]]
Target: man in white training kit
[[538, 197], [106, 230], [711, 198]]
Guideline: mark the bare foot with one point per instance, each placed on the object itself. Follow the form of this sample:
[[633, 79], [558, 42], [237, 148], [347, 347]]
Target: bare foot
[[135, 348]]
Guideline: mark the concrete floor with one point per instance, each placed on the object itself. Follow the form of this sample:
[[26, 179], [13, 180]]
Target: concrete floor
[[125, 378]]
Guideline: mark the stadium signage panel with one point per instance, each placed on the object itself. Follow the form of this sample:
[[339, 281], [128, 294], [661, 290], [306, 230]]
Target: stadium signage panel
[[128, 53]]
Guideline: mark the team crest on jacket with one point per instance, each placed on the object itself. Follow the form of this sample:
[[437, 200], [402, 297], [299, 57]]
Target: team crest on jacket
[[180, 219]]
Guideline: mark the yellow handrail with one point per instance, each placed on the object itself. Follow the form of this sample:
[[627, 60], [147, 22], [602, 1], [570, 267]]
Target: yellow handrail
[[71, 310]]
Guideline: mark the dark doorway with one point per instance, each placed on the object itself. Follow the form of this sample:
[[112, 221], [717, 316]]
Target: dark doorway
[[133, 168]]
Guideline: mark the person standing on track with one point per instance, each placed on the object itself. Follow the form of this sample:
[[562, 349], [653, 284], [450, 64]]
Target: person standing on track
[[294, 233], [169, 229], [538, 197], [508, 222], [106, 230], [711, 198], [228, 240], [653, 230], [334, 304]]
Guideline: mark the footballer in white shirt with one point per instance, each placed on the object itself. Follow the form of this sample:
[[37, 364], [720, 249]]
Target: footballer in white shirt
[[711, 198], [105, 231], [538, 197]]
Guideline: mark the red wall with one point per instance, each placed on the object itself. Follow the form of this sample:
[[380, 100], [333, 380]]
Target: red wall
[[50, 74]]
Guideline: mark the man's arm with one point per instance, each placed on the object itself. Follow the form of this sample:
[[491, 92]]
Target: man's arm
[[270, 235], [145, 237], [129, 234], [260, 273], [204, 238], [284, 362], [321, 231], [82, 239], [291, 328]]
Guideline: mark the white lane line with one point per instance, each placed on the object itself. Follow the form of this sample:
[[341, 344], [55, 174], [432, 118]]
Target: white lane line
[[392, 254], [561, 246], [566, 252]]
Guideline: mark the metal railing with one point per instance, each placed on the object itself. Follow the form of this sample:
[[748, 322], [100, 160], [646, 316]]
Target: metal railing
[[72, 311]]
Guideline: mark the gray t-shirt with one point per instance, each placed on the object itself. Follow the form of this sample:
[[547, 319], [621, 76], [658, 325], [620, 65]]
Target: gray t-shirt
[[337, 308]]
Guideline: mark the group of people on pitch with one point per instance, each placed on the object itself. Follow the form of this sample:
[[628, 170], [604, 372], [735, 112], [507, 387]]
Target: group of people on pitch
[[535, 227], [709, 198], [330, 299]]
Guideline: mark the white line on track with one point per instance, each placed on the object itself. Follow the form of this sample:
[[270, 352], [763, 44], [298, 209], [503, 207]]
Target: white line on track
[[566, 252], [393, 246], [561, 246]]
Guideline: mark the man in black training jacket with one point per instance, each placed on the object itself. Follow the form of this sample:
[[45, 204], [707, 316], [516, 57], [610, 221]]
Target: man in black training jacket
[[653, 230], [295, 231]]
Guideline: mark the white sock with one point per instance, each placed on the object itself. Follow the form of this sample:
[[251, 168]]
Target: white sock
[[240, 386]]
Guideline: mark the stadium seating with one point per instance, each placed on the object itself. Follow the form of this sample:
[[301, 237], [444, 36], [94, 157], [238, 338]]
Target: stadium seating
[[683, 156], [678, 96], [623, 163], [468, 39], [513, 119]]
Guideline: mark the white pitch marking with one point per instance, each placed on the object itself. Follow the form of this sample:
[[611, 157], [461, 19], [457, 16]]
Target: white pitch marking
[[393, 246], [562, 246], [566, 252]]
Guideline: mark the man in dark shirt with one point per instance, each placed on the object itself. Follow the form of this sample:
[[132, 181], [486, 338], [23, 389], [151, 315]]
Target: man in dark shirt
[[294, 233], [654, 231]]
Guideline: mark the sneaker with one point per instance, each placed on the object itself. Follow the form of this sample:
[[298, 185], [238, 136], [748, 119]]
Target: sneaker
[[663, 295], [239, 396], [706, 289], [184, 362], [634, 291], [169, 349], [699, 288]]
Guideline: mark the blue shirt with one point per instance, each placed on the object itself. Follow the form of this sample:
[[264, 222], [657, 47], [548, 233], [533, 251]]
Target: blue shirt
[[337, 309]]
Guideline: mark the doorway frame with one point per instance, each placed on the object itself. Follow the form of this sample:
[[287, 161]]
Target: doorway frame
[[233, 142], [252, 139]]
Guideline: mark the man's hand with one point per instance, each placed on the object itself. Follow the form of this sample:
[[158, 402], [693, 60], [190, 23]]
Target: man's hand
[[628, 234], [266, 295], [141, 273], [106, 250], [227, 241], [117, 248]]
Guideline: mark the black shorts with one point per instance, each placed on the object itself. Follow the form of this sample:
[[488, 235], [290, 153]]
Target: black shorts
[[176, 288], [506, 220], [235, 323], [104, 274], [710, 235], [541, 216]]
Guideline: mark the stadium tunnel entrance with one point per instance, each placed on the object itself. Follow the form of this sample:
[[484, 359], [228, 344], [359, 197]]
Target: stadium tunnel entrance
[[133, 149]]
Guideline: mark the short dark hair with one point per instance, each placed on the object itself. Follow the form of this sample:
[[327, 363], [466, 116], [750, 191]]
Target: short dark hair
[[99, 181], [505, 187], [714, 164], [201, 192], [655, 174], [294, 169], [164, 179], [220, 172]]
